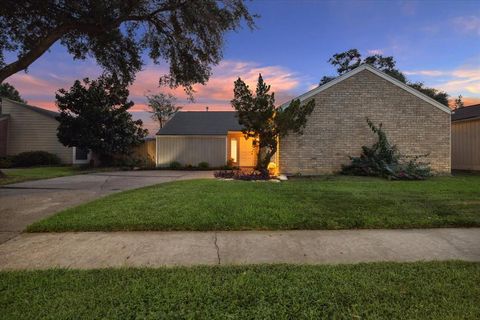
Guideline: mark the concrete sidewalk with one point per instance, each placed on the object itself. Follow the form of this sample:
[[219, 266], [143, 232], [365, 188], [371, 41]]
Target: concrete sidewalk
[[153, 249]]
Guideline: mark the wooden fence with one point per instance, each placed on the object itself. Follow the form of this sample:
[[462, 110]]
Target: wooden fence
[[466, 145]]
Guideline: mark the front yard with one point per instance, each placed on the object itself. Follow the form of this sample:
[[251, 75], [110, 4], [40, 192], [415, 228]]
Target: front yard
[[324, 203], [433, 290], [35, 173]]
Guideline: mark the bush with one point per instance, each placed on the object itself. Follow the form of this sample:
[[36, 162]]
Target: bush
[[385, 160], [175, 165], [6, 162], [241, 175], [203, 165], [35, 158]]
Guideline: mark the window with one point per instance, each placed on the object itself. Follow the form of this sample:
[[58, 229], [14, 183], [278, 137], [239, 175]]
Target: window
[[81, 154], [233, 150]]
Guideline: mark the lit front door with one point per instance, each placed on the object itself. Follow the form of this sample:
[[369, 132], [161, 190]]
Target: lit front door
[[234, 150]]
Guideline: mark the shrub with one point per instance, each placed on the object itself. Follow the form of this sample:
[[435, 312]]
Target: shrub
[[175, 165], [129, 161], [241, 175], [6, 162], [35, 158], [383, 159], [203, 165]]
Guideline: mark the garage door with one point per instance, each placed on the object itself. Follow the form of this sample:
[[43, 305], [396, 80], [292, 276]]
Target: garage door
[[191, 150]]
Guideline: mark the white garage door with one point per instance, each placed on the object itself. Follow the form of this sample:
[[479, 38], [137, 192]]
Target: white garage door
[[191, 150]]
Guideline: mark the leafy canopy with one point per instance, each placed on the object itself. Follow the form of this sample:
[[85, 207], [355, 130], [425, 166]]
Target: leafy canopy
[[261, 119], [94, 115], [162, 107], [9, 91], [348, 60], [189, 35]]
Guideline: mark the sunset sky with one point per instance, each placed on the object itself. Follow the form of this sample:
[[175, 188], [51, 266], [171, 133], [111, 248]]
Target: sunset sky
[[436, 42]]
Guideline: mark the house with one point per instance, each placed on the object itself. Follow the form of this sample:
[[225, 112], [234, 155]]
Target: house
[[466, 138], [214, 137], [28, 128], [336, 129]]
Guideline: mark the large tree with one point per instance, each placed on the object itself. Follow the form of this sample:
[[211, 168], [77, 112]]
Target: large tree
[[262, 120], [162, 107], [9, 91], [188, 35], [94, 115], [351, 59]]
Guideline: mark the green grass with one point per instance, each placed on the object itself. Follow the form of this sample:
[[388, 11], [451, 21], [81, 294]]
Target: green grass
[[434, 290], [325, 203], [36, 173]]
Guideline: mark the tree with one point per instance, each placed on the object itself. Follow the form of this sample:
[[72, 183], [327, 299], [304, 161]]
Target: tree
[[459, 102], [9, 91], [162, 107], [261, 119], [351, 59], [188, 35], [94, 115]]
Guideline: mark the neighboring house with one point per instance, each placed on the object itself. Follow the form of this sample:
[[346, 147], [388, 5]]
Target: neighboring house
[[336, 129], [213, 137], [28, 128], [466, 138]]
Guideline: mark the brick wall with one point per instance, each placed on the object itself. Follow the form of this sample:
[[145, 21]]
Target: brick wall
[[337, 127]]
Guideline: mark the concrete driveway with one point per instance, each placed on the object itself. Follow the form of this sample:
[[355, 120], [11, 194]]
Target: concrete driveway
[[24, 203]]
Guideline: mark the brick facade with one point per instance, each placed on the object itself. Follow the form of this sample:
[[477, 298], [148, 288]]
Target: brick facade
[[337, 127]]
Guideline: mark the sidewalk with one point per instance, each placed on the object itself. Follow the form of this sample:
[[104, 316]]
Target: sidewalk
[[86, 250]]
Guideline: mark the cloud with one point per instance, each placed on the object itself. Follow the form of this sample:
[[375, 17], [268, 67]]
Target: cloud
[[463, 81], [218, 92], [39, 87], [375, 51], [467, 24]]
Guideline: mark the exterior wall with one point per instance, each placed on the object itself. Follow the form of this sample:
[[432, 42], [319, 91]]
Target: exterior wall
[[31, 131], [146, 151], [3, 135], [337, 127], [191, 150], [247, 154], [466, 145]]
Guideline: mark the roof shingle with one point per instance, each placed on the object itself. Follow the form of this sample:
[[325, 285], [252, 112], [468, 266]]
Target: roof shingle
[[201, 123], [464, 113]]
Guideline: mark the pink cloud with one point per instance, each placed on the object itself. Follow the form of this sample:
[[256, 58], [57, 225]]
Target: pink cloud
[[375, 51], [39, 89]]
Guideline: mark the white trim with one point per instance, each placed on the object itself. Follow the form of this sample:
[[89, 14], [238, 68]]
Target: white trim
[[74, 159], [379, 73]]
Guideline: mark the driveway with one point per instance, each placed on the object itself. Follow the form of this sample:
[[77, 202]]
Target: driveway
[[24, 203]]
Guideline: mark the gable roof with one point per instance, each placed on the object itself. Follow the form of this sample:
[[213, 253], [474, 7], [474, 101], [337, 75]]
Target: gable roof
[[201, 123], [379, 73], [470, 112], [45, 112]]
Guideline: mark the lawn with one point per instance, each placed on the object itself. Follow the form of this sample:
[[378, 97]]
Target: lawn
[[36, 173], [433, 290], [325, 203]]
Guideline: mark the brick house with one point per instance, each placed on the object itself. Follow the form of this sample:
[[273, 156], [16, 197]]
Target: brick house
[[336, 129]]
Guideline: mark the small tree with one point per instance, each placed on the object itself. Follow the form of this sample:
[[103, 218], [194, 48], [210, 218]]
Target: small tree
[[9, 91], [162, 107], [261, 119], [94, 115], [459, 102]]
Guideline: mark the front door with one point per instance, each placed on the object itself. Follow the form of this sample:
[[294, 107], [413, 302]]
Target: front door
[[234, 151]]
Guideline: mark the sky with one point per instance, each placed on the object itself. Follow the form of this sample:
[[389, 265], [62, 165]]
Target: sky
[[435, 42]]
